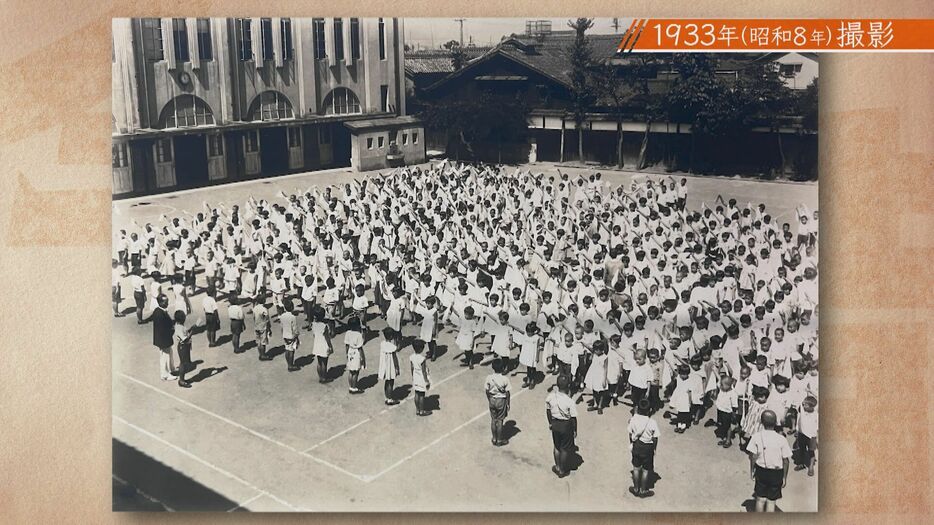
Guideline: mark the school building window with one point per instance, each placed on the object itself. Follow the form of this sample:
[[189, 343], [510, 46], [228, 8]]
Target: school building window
[[380, 141], [369, 143], [180, 39], [405, 139], [215, 145], [317, 36], [186, 111], [120, 155], [382, 39], [163, 151], [324, 135], [245, 38], [341, 101], [265, 26], [295, 137], [271, 105], [338, 39], [152, 39], [355, 38], [285, 26], [205, 49], [414, 137], [251, 141], [384, 97]]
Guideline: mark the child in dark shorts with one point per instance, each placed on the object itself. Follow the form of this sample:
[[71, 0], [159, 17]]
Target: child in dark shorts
[[643, 438]]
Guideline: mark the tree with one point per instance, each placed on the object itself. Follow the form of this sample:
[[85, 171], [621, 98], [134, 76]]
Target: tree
[[806, 106], [458, 58], [764, 98], [582, 92], [625, 87], [696, 97], [450, 44], [473, 125]]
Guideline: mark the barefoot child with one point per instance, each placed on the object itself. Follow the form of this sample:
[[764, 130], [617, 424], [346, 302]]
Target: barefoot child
[[498, 393], [389, 363], [643, 439], [421, 381], [356, 360]]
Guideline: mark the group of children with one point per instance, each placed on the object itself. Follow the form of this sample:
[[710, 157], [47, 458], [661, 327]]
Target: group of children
[[624, 290]]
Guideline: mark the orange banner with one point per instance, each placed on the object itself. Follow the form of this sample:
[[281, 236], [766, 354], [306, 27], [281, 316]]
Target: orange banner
[[787, 34]]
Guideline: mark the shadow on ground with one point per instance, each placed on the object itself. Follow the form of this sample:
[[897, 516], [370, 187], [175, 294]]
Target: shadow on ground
[[142, 484]]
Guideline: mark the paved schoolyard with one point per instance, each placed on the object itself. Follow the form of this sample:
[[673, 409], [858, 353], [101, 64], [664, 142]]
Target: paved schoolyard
[[270, 440]]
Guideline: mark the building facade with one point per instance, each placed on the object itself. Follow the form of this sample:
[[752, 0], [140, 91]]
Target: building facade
[[200, 101]]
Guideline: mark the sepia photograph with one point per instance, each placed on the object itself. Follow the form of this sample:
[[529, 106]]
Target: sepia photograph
[[460, 265]]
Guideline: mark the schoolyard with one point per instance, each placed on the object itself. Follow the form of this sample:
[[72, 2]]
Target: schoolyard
[[266, 439]]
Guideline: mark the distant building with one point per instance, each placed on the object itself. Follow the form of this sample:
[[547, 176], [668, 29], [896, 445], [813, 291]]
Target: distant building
[[537, 67], [199, 101]]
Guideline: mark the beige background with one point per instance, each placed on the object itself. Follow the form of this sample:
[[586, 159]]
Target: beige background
[[877, 166]]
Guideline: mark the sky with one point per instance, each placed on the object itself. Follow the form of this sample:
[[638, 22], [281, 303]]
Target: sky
[[432, 32]]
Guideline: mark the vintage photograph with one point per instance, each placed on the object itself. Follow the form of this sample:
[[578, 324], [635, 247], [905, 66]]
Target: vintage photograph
[[460, 265]]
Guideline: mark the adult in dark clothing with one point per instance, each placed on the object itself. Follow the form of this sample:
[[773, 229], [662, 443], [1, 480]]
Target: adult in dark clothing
[[163, 333]]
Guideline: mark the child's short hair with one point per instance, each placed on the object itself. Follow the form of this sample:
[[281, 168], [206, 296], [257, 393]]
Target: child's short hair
[[810, 400], [564, 381], [684, 370], [179, 316], [498, 365], [780, 380], [760, 391], [644, 408], [531, 328], [469, 310], [653, 353], [388, 332], [418, 345]]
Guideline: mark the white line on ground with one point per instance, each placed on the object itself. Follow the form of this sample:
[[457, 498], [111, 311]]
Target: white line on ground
[[386, 470], [335, 436], [204, 462], [247, 502], [143, 494], [381, 412], [242, 427]]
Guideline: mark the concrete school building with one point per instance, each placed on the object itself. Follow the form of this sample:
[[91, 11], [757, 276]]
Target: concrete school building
[[201, 101]]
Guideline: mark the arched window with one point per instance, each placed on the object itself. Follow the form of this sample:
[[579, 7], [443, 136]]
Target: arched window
[[185, 111], [341, 101], [271, 105]]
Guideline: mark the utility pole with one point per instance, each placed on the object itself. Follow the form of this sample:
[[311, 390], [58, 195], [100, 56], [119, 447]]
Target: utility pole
[[616, 25], [461, 22]]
